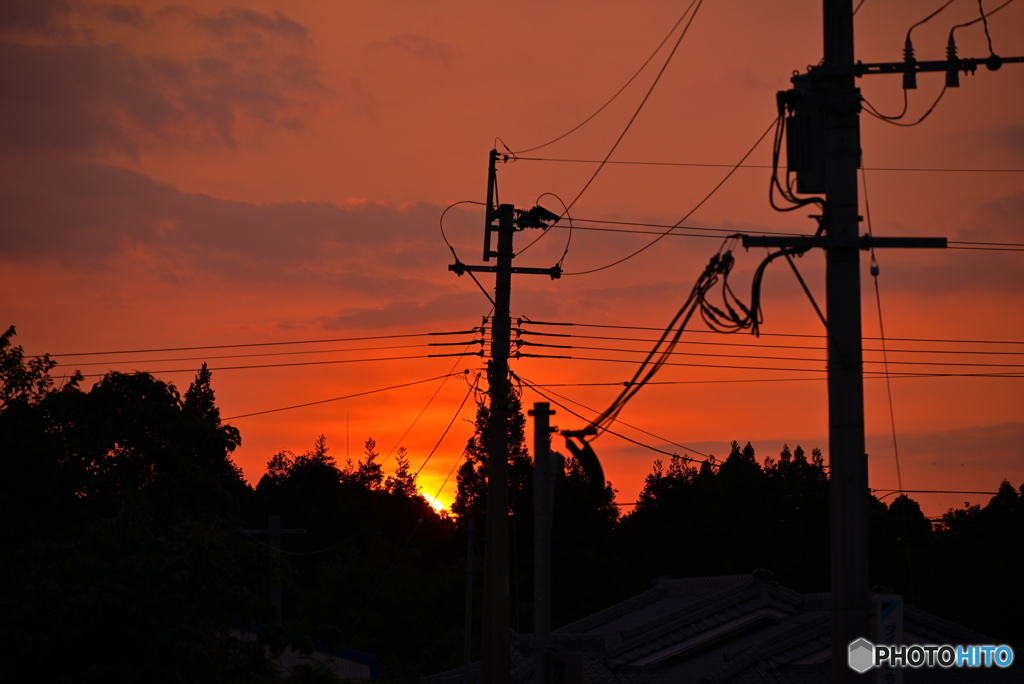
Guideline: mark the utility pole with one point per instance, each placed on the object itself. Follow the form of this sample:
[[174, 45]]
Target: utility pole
[[505, 220], [848, 491], [824, 152], [494, 657], [545, 466]]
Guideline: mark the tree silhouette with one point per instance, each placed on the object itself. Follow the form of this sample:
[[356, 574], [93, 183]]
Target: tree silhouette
[[26, 381], [200, 399], [471, 478]]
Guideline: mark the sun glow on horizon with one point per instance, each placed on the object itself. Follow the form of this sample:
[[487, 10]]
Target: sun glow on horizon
[[436, 503]]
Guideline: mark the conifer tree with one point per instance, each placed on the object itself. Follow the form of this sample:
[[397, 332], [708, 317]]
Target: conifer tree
[[472, 474], [200, 399]]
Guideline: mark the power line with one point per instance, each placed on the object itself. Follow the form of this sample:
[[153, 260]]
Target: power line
[[772, 358], [772, 346], [617, 93], [348, 396], [302, 363], [452, 422], [928, 491], [267, 344], [763, 166], [677, 382], [688, 214], [422, 411], [617, 420], [794, 370], [290, 353], [606, 429], [696, 5], [764, 334]]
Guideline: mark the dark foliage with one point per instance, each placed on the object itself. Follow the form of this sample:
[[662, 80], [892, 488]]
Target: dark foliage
[[123, 561], [124, 554]]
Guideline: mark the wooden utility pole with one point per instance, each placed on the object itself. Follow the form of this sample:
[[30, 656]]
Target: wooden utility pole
[[494, 644]]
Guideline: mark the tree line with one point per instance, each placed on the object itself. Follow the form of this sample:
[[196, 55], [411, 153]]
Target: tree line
[[126, 556]]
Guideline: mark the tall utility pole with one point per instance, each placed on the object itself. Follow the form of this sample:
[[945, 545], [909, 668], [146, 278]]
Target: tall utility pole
[[824, 152], [848, 493], [494, 656], [505, 220]]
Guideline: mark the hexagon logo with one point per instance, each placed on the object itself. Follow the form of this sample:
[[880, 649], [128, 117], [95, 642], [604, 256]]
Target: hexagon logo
[[861, 655]]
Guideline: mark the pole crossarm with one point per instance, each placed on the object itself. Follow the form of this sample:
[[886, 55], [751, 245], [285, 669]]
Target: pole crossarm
[[459, 268], [965, 64], [864, 242]]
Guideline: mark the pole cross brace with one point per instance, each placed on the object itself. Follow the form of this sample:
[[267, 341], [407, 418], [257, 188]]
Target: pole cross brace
[[459, 268], [966, 64], [865, 242]]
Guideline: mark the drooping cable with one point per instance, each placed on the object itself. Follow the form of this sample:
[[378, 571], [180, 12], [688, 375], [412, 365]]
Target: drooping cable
[[422, 410], [984, 21], [609, 431], [696, 4], [870, 109], [875, 270], [440, 223], [534, 386], [688, 214], [450, 423], [617, 93], [732, 315], [983, 18], [348, 396], [892, 120], [461, 457], [566, 214]]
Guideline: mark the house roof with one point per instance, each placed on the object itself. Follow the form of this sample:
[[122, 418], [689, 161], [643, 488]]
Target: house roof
[[742, 629]]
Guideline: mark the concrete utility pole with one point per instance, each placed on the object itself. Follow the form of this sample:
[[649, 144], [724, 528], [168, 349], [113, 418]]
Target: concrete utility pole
[[848, 461], [494, 646], [824, 152], [545, 466], [494, 658]]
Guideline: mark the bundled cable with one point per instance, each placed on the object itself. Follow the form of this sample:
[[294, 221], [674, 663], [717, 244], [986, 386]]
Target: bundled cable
[[729, 316]]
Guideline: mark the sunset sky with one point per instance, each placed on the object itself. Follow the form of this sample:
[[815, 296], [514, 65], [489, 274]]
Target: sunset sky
[[204, 174]]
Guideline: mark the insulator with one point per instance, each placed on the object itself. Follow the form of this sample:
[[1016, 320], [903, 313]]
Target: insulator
[[910, 75], [953, 71]]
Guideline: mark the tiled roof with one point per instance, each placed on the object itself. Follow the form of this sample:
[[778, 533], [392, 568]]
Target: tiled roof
[[736, 629]]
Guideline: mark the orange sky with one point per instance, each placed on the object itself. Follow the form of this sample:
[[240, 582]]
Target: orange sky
[[204, 174]]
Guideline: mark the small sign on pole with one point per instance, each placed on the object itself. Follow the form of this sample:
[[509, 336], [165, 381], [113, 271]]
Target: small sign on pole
[[888, 626]]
